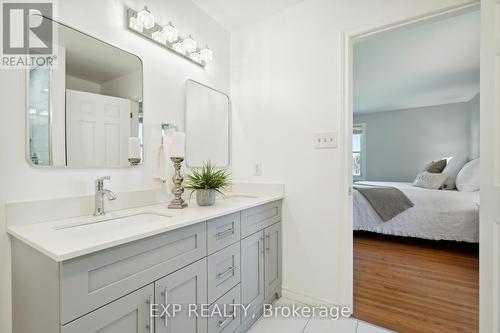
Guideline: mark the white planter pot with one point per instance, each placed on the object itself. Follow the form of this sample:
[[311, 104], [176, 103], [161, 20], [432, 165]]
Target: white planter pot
[[206, 197]]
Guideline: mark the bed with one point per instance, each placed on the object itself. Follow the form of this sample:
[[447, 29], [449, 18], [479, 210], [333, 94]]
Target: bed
[[436, 214]]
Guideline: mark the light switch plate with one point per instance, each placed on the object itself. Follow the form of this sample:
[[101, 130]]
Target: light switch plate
[[327, 140]]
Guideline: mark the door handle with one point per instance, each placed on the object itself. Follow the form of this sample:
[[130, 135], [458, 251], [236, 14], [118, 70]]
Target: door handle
[[268, 242]]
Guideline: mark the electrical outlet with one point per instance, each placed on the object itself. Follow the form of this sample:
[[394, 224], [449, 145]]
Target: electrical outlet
[[257, 169], [326, 140]]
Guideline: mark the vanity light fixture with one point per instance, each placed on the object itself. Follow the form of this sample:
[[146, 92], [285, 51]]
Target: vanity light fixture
[[145, 18], [158, 36], [170, 33], [189, 44], [196, 57], [179, 48], [143, 23], [133, 23], [206, 55]]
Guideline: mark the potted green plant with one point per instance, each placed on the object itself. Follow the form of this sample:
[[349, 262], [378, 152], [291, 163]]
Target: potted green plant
[[207, 182]]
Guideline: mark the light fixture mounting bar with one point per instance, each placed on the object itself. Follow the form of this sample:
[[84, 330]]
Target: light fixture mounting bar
[[148, 34]]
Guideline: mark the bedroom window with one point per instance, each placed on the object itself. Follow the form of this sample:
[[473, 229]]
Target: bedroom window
[[358, 151]]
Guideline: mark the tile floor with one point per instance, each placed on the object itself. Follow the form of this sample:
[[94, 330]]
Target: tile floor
[[312, 325]]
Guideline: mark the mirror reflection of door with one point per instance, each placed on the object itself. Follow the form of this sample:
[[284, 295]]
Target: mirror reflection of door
[[86, 110], [97, 129]]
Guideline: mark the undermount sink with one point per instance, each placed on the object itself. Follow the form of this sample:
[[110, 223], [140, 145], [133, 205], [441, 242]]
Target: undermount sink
[[240, 196], [135, 218]]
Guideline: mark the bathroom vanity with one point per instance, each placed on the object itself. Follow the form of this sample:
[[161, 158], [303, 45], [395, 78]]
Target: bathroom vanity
[[89, 274]]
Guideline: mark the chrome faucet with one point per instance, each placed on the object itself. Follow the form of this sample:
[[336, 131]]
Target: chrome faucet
[[100, 193]]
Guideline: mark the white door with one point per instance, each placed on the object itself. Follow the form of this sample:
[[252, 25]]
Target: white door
[[98, 128]]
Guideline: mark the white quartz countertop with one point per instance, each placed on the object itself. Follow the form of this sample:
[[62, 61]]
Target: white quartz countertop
[[70, 238]]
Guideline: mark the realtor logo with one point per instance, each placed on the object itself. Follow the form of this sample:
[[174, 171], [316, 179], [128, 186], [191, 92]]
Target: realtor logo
[[28, 35], [26, 30]]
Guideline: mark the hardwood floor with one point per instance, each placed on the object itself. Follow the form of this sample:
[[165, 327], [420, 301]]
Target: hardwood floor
[[411, 285]]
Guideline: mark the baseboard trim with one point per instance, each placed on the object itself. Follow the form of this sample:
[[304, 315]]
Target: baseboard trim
[[306, 299]]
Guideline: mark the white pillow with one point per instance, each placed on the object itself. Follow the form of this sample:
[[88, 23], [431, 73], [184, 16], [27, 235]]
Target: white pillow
[[455, 164], [432, 181], [469, 178]]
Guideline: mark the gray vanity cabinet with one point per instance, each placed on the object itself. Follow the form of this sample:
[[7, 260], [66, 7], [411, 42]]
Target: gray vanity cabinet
[[272, 266], [228, 259], [184, 287], [252, 276], [129, 314]]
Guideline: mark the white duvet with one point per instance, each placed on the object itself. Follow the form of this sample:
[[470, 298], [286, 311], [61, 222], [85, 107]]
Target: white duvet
[[436, 214]]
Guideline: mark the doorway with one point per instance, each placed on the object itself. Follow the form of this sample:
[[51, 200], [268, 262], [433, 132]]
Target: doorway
[[355, 169]]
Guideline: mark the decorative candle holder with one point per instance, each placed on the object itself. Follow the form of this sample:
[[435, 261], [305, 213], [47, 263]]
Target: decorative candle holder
[[177, 202]]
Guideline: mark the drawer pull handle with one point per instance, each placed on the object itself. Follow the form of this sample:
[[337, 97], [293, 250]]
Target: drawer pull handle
[[224, 323], [229, 270], [151, 324], [225, 233]]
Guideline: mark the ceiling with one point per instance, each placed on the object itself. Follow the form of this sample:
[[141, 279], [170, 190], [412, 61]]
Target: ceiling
[[234, 14], [432, 63]]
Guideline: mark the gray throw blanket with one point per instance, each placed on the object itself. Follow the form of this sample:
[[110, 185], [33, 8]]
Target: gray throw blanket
[[388, 202]]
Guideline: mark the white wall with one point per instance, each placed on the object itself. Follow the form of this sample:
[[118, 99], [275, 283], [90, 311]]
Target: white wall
[[165, 75], [400, 143], [124, 86], [285, 88], [474, 131], [75, 83]]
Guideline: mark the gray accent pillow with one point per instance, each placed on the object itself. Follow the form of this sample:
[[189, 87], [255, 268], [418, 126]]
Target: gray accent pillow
[[436, 166]]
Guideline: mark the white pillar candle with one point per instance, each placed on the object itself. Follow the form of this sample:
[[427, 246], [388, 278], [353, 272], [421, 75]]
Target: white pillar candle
[[178, 143]]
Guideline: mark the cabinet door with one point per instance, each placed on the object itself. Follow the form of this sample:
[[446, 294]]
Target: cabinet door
[[129, 314], [184, 287], [252, 274], [272, 262]]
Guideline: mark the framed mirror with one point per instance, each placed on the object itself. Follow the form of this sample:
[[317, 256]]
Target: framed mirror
[[86, 110], [208, 121]]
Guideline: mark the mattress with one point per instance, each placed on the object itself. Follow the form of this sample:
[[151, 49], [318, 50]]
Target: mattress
[[436, 215]]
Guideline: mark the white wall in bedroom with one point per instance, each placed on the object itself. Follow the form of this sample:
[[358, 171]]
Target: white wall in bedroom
[[474, 121], [285, 87], [399, 143], [165, 75]]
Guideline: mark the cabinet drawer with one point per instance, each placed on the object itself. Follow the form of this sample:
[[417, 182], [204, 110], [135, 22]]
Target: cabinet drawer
[[222, 232], [223, 271], [228, 306], [97, 279], [129, 314], [260, 217]]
